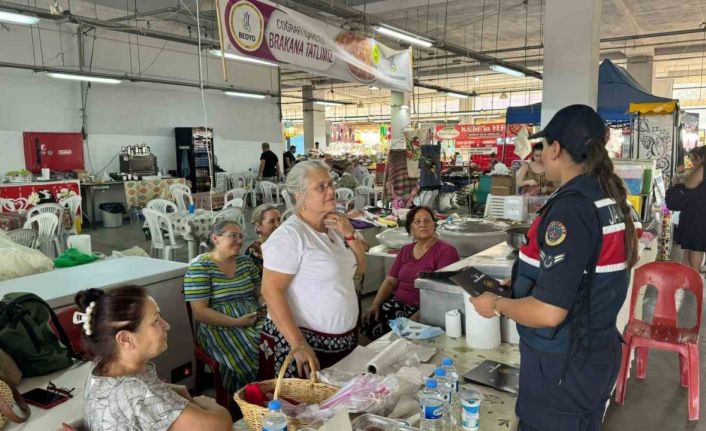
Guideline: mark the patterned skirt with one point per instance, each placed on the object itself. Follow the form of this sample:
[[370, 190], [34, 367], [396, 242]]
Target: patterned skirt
[[389, 310], [329, 349]]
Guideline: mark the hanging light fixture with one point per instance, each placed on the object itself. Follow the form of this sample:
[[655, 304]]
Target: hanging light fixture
[[243, 58], [507, 70], [503, 96], [87, 78], [17, 18], [399, 35]]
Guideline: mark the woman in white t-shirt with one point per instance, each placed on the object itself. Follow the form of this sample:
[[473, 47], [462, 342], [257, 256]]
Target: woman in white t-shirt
[[307, 280]]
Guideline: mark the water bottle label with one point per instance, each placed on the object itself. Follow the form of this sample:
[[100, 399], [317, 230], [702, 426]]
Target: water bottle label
[[432, 412]]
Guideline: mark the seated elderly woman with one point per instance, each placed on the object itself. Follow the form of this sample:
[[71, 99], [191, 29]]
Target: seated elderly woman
[[223, 290], [397, 296], [124, 331], [307, 281], [265, 218]]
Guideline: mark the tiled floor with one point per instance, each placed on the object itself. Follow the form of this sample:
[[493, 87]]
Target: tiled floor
[[656, 403]]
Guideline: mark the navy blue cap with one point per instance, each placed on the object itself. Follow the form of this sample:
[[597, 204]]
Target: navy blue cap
[[574, 126]]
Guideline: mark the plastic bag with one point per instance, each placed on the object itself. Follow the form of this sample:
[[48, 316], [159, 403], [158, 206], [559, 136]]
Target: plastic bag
[[367, 393], [72, 257]]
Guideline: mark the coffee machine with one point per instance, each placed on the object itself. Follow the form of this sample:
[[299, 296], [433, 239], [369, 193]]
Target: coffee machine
[[138, 160]]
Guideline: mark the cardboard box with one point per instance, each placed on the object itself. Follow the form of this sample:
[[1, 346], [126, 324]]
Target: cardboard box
[[501, 191], [501, 180]]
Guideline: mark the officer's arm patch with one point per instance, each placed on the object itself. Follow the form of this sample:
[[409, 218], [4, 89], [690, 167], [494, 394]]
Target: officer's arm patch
[[555, 233], [550, 260]]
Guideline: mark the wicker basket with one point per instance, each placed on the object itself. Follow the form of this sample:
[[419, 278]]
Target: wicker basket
[[309, 391]]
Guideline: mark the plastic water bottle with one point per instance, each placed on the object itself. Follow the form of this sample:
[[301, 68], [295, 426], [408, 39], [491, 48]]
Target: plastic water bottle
[[443, 384], [454, 411], [451, 375], [431, 406], [275, 420]]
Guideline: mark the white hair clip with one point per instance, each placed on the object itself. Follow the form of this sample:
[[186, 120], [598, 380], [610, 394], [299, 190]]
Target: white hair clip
[[84, 319]]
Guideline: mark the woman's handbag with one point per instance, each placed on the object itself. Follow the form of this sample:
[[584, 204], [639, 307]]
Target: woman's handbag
[[8, 398], [677, 197]]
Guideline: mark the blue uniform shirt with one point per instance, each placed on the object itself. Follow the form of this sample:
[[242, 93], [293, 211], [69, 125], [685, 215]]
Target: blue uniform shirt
[[554, 266]]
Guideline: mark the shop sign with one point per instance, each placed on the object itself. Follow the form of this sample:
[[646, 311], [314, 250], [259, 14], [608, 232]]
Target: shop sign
[[263, 29]]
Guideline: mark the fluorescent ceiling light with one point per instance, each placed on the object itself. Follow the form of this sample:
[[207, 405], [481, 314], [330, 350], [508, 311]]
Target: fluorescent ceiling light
[[87, 78], [245, 95], [404, 36], [18, 18], [237, 57], [458, 95], [507, 70], [373, 87], [323, 103]]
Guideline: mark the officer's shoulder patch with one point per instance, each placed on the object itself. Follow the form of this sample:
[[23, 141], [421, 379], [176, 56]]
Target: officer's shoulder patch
[[555, 233]]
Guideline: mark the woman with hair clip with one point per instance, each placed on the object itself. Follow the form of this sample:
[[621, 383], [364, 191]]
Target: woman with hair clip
[[124, 330], [223, 290], [570, 281]]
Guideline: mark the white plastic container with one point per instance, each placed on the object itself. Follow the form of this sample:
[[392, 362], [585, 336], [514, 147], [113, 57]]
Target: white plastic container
[[481, 333]]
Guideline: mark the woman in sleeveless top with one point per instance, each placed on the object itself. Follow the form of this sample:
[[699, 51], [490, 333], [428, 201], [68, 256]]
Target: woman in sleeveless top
[[531, 177]]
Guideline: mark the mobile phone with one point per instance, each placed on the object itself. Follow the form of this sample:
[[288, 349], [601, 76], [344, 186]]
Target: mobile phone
[[262, 310], [43, 398]]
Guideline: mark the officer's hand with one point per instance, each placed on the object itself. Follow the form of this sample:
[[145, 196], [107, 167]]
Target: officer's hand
[[484, 304]]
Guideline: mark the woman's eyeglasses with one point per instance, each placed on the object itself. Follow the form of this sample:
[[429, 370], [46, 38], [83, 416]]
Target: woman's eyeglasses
[[321, 188], [233, 235]]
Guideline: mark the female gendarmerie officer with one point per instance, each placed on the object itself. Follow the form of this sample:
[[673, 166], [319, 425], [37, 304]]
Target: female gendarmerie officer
[[570, 281]]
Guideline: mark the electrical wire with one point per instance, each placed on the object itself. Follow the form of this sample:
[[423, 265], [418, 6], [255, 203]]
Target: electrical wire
[[209, 148]]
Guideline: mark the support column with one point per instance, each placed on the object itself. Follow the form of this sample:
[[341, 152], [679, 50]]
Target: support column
[[399, 118], [571, 55], [642, 69], [314, 120], [465, 105]]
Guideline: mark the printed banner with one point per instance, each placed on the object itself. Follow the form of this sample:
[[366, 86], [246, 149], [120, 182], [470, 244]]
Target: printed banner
[[262, 29], [479, 139]]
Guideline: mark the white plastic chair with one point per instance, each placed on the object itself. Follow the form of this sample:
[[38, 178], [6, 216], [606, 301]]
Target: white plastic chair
[[344, 194], [236, 193], [235, 203], [367, 192], [231, 213], [369, 181], [179, 192], [14, 205], [47, 235], [55, 209], [163, 206], [162, 233], [25, 237], [269, 192], [289, 205], [287, 213]]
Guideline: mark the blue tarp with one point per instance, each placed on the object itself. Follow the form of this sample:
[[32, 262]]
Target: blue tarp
[[616, 90]]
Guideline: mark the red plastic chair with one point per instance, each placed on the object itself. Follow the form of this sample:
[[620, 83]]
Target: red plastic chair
[[204, 359], [65, 316], [663, 333]]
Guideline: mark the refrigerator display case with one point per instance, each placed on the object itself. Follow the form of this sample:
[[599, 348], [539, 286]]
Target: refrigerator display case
[[194, 156]]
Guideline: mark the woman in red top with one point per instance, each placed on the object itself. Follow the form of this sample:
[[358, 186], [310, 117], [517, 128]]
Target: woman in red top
[[397, 296]]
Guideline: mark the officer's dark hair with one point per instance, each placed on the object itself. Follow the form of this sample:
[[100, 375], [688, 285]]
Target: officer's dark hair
[[597, 164]]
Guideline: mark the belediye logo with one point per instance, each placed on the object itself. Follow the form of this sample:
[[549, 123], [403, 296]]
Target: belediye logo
[[247, 25]]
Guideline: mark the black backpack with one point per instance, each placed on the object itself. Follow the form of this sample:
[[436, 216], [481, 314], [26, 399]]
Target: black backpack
[[25, 335]]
